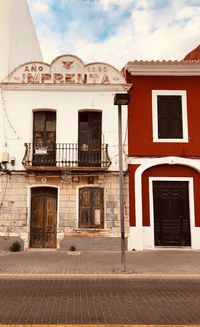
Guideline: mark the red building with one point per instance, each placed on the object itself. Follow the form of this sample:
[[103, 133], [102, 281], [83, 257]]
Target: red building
[[164, 152]]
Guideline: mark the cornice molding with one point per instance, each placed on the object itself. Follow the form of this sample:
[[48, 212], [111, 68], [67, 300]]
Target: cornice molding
[[163, 68], [66, 87]]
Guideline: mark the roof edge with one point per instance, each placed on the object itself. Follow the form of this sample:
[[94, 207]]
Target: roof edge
[[166, 68]]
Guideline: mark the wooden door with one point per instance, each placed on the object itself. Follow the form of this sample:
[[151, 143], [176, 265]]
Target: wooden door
[[43, 217], [44, 138], [171, 213], [89, 139]]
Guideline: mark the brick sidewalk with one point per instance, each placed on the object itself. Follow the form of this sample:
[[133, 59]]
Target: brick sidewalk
[[60, 262]]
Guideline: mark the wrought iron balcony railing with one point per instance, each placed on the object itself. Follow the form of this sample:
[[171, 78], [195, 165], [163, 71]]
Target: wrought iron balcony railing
[[65, 156]]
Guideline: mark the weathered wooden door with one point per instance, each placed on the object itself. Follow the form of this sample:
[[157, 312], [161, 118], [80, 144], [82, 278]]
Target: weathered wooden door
[[43, 217], [171, 213], [91, 207], [44, 138], [89, 139]]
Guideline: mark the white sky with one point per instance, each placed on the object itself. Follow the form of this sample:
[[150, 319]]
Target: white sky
[[117, 31]]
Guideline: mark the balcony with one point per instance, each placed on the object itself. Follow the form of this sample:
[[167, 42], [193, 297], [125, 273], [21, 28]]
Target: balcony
[[65, 156]]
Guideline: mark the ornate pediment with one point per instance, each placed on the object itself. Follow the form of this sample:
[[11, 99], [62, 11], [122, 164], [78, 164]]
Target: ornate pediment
[[66, 69]]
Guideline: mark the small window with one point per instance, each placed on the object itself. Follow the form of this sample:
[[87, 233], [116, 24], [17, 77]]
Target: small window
[[169, 116], [91, 207]]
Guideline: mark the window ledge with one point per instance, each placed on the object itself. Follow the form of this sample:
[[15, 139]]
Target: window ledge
[[156, 140]]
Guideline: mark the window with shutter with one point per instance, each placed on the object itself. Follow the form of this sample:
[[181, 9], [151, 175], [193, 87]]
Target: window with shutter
[[170, 117], [169, 111], [91, 207]]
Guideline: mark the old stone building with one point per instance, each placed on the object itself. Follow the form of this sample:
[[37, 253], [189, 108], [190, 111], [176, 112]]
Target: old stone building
[[59, 144]]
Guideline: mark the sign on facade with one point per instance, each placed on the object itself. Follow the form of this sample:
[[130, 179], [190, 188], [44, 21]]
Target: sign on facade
[[67, 69]]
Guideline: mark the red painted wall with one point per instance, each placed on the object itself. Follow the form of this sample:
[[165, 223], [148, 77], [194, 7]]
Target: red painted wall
[[169, 171], [140, 116]]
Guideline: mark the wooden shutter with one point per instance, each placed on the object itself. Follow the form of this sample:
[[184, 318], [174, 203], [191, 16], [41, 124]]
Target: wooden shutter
[[44, 138], [170, 124], [91, 207], [90, 138]]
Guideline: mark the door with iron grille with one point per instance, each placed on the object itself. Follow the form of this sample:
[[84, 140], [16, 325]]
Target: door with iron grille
[[43, 217], [171, 213]]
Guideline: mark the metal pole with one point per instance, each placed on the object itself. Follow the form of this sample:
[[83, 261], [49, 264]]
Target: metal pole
[[121, 190]]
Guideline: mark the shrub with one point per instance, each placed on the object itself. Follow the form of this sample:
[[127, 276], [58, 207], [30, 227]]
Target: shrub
[[15, 247], [72, 248]]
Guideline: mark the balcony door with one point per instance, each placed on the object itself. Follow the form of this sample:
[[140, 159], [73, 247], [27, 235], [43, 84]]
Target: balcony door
[[89, 138], [44, 138]]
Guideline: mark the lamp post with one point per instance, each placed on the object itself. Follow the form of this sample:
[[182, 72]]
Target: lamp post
[[119, 100]]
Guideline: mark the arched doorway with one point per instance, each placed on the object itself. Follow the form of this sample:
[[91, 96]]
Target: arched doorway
[[43, 225]]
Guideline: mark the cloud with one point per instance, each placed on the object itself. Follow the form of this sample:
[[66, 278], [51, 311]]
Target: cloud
[[116, 31], [109, 4], [40, 7]]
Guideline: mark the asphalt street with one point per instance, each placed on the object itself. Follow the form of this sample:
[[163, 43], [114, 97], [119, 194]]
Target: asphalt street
[[100, 300]]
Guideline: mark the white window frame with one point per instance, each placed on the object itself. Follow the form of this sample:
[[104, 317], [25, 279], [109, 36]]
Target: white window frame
[[155, 94]]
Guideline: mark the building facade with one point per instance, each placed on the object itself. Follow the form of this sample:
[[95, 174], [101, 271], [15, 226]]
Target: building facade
[[164, 154], [59, 140], [58, 144], [59, 174]]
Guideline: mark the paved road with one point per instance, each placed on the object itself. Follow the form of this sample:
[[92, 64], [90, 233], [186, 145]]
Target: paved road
[[100, 300], [54, 287]]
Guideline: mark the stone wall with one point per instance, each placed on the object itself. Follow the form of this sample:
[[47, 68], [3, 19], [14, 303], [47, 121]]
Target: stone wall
[[15, 200]]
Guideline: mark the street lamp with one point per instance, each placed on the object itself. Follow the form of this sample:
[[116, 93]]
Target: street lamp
[[119, 100]]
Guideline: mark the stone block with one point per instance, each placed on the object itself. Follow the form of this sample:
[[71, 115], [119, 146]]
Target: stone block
[[72, 198], [19, 204], [72, 210]]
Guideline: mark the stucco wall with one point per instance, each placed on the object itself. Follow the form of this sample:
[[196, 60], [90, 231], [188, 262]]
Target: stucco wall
[[17, 114], [140, 114]]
